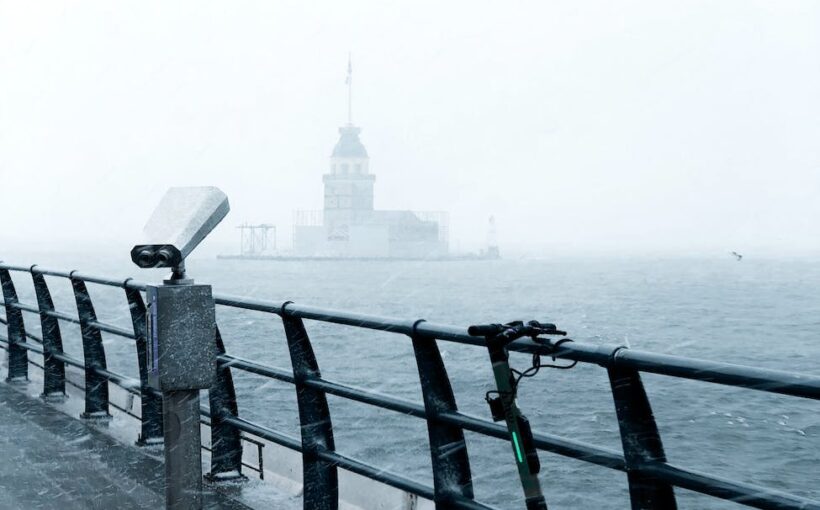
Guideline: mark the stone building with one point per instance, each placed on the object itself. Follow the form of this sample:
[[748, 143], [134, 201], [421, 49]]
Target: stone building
[[349, 226]]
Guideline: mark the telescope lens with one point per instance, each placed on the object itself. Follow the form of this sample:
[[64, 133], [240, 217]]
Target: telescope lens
[[146, 258], [165, 257]]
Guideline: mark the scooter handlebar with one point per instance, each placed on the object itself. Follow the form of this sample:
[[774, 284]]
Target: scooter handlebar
[[485, 330]]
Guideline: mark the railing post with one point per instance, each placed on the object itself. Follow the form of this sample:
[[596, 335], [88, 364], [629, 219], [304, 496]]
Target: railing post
[[96, 386], [320, 478], [18, 356], [226, 440], [151, 403], [640, 439], [53, 368], [448, 450]]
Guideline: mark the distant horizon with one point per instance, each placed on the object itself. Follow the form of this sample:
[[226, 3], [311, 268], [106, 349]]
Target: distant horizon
[[211, 249], [582, 127]]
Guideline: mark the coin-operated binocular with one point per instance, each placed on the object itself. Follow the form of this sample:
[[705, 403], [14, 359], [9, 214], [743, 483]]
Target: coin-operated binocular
[[181, 329]]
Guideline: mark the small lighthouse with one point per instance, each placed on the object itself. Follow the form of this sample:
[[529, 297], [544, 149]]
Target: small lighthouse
[[348, 226], [349, 183], [492, 241]]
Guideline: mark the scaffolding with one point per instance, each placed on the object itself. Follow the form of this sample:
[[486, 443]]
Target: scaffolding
[[442, 219], [254, 238], [308, 218]]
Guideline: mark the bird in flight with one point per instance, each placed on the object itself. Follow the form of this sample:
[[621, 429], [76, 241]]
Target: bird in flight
[[737, 255]]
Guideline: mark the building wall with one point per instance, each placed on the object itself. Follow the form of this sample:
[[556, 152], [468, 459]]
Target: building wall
[[368, 241], [354, 192], [309, 240], [388, 234]]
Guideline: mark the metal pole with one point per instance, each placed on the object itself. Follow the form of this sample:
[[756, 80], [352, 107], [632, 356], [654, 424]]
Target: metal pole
[[183, 457]]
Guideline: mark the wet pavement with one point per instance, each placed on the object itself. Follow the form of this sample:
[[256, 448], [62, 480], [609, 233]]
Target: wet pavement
[[49, 460]]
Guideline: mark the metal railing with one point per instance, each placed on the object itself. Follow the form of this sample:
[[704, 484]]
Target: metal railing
[[650, 477]]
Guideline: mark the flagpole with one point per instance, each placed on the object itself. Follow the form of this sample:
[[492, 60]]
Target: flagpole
[[349, 90]]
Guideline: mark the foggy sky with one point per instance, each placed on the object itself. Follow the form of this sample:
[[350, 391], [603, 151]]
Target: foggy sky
[[584, 127]]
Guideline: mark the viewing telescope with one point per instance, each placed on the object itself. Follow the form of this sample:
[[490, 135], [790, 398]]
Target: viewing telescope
[[180, 222], [181, 350]]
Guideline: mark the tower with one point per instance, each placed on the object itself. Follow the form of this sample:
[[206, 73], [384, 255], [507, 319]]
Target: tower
[[348, 225], [348, 184], [492, 241]]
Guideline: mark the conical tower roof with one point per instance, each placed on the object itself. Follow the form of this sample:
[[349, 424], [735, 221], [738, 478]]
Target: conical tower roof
[[349, 144]]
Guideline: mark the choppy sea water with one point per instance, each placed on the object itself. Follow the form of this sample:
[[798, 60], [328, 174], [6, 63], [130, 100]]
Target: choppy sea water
[[764, 313]]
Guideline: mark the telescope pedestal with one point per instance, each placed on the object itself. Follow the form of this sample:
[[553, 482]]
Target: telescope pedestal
[[183, 456]]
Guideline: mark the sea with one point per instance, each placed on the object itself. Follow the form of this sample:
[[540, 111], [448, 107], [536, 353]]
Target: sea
[[756, 312]]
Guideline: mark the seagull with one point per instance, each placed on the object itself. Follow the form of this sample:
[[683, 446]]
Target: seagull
[[737, 255]]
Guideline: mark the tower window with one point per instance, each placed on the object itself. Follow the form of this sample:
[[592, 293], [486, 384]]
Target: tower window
[[345, 168], [358, 168]]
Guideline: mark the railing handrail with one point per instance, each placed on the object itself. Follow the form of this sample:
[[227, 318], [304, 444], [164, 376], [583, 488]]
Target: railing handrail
[[730, 374], [621, 362]]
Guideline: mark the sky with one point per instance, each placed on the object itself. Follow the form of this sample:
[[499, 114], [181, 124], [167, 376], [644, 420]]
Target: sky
[[584, 127]]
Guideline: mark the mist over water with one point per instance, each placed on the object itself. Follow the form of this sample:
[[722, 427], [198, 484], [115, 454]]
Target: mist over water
[[583, 127]]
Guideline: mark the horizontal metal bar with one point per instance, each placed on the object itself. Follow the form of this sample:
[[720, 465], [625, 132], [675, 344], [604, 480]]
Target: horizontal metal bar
[[743, 493], [547, 442], [377, 474], [358, 320], [226, 360], [249, 466], [13, 267], [32, 336], [101, 280], [265, 433], [129, 384], [30, 362], [62, 316], [32, 347], [248, 304], [761, 379], [25, 307], [124, 410], [367, 397], [330, 387], [114, 330], [448, 333], [29, 335], [49, 272], [102, 326], [68, 360]]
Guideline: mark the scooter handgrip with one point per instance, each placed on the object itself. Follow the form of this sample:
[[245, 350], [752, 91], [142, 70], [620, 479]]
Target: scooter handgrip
[[485, 330]]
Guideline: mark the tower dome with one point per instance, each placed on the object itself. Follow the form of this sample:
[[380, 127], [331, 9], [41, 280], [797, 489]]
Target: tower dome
[[349, 144]]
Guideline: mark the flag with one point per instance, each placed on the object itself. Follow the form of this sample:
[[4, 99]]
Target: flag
[[349, 70]]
